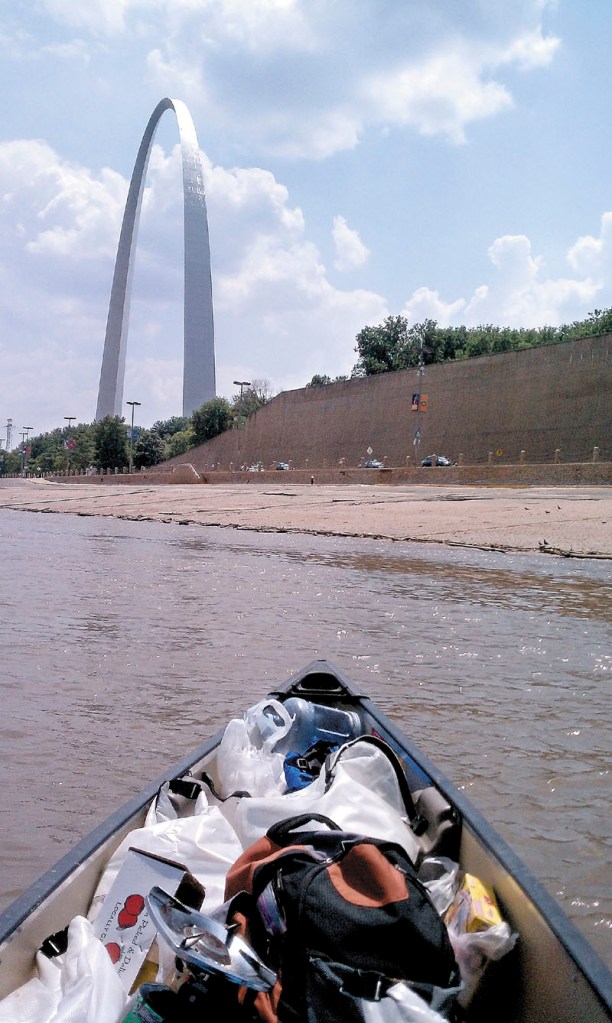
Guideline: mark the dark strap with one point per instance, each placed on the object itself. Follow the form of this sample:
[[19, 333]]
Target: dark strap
[[366, 984], [55, 944], [417, 823], [286, 832], [372, 985], [315, 756], [189, 788], [205, 779], [297, 840]]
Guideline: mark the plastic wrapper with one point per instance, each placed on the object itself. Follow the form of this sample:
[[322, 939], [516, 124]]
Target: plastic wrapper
[[477, 933], [474, 951], [440, 876]]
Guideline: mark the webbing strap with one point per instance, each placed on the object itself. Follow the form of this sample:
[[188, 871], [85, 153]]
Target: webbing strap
[[417, 823]]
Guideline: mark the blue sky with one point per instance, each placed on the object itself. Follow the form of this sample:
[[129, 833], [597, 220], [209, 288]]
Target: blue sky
[[362, 158]]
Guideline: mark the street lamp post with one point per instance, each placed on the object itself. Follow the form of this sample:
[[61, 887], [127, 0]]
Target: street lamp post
[[132, 403], [419, 398], [24, 438], [70, 420], [242, 384]]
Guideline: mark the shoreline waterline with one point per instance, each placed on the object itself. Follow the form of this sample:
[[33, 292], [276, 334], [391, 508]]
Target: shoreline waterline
[[565, 521]]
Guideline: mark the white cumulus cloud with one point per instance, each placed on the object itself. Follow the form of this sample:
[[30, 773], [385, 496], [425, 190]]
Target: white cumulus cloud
[[351, 252], [521, 295], [440, 94], [592, 255], [426, 304], [532, 50], [346, 73]]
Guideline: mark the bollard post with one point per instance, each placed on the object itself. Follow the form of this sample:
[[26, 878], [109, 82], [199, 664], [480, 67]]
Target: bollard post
[[490, 458], [460, 459], [522, 458], [312, 480], [595, 454], [557, 455]]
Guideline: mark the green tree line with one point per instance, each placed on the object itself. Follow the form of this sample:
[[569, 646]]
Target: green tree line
[[395, 344], [107, 445]]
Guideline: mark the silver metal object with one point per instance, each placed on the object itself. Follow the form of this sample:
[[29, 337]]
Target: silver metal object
[[206, 944]]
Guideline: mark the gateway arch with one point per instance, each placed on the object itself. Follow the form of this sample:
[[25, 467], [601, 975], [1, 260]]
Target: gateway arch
[[199, 346]]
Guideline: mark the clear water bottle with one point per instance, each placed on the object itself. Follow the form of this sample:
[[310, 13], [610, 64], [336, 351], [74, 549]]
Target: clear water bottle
[[314, 722]]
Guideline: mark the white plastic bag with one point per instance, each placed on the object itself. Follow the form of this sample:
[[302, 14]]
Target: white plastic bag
[[473, 952], [364, 797], [440, 876], [80, 986], [400, 1005], [245, 759], [164, 806], [37, 1000], [206, 844], [267, 723]]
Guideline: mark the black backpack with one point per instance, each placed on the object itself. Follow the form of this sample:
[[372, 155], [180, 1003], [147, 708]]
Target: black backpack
[[341, 917]]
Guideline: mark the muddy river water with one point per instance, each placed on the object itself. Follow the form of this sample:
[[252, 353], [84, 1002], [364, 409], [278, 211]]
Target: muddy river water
[[125, 643]]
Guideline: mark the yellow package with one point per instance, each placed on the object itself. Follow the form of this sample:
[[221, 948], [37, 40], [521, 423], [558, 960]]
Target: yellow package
[[474, 907]]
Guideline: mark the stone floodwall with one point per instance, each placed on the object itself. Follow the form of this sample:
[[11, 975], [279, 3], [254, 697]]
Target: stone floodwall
[[541, 474], [551, 403]]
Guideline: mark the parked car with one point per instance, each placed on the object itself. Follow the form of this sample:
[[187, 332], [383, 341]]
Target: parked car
[[440, 460], [372, 463], [282, 465]]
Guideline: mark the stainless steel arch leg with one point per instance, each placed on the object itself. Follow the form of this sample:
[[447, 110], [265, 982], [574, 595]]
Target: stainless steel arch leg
[[199, 346]]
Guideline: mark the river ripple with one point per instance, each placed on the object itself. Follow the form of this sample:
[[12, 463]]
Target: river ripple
[[125, 643]]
